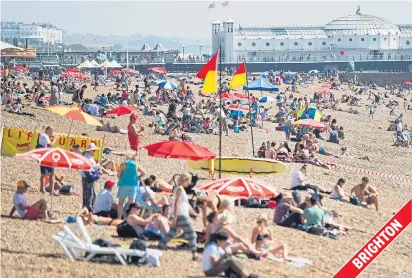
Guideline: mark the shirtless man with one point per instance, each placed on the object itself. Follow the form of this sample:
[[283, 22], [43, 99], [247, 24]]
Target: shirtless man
[[366, 194]]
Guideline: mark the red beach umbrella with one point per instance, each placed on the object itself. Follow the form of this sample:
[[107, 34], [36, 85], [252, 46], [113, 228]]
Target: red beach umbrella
[[121, 110], [240, 187], [157, 69], [20, 68], [328, 86], [310, 122], [409, 83], [179, 150], [73, 70], [239, 107], [58, 158]]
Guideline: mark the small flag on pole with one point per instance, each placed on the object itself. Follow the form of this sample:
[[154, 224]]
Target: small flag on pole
[[225, 4], [209, 73], [239, 79], [211, 6]]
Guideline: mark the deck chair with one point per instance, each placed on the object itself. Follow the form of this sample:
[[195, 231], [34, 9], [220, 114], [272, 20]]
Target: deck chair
[[74, 247], [147, 204]]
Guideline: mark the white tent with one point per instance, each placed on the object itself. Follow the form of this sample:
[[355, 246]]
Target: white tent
[[86, 64], [4, 45], [115, 64], [95, 64], [106, 64]]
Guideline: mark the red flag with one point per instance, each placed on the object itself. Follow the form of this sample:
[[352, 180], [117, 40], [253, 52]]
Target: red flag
[[211, 6], [209, 73], [225, 4]]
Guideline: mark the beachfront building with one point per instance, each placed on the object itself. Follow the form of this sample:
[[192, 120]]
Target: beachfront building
[[34, 33], [356, 37]]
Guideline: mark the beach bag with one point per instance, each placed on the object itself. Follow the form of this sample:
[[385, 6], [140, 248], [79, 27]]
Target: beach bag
[[125, 230], [354, 201], [316, 230], [138, 260], [92, 176], [152, 234], [104, 258]]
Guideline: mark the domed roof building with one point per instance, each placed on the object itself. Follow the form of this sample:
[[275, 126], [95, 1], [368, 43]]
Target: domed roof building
[[358, 35], [361, 24]]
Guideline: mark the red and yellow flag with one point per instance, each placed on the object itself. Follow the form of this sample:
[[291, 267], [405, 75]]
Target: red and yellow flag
[[209, 73], [239, 79]]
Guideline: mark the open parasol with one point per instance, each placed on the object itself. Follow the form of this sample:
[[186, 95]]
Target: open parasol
[[179, 150], [310, 122]]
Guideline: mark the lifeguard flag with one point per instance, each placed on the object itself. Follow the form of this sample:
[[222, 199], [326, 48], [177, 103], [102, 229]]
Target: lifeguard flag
[[209, 73], [239, 79]]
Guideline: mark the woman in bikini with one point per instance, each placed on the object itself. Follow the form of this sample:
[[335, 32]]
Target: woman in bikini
[[262, 236], [214, 202]]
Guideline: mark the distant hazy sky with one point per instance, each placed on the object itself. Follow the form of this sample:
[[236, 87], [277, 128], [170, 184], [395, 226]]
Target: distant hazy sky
[[188, 19]]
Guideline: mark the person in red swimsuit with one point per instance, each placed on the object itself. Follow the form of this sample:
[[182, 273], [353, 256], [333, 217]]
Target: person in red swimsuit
[[133, 133]]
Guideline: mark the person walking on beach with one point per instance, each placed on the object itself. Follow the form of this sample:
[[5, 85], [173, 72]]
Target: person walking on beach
[[181, 218], [44, 142], [372, 109], [78, 96], [133, 134], [55, 94], [89, 178], [129, 181]]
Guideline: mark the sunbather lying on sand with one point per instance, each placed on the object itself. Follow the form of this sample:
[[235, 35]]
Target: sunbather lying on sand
[[90, 219], [345, 153]]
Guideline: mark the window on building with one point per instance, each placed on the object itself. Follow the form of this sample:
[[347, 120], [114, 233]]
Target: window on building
[[282, 44], [339, 40], [408, 42], [394, 39], [385, 39], [323, 43], [267, 44], [362, 39], [239, 44], [295, 44], [253, 44], [350, 39], [374, 39], [231, 30], [309, 43]]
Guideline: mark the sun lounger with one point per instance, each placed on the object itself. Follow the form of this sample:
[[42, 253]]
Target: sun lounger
[[74, 247]]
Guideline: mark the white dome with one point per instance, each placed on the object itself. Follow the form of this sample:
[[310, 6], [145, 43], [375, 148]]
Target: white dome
[[360, 24]]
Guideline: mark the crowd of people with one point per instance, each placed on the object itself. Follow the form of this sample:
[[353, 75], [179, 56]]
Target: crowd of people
[[149, 207]]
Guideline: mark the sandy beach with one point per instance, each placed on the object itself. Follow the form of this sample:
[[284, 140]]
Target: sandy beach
[[27, 248]]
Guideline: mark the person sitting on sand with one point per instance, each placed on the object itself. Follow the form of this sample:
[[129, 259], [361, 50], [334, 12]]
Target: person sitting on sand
[[366, 194], [313, 215], [262, 150], [58, 184], [321, 150], [283, 152], [91, 219], [217, 259], [136, 222], [298, 179], [212, 220], [162, 223], [286, 213], [270, 152], [338, 193], [214, 202], [345, 153], [262, 236], [26, 211], [236, 242], [105, 205]]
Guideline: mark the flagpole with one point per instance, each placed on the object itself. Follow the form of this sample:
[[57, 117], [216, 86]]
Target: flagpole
[[250, 112], [221, 110]]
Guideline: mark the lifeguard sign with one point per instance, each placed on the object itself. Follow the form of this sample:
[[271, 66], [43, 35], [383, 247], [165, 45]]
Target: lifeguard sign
[[20, 141]]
